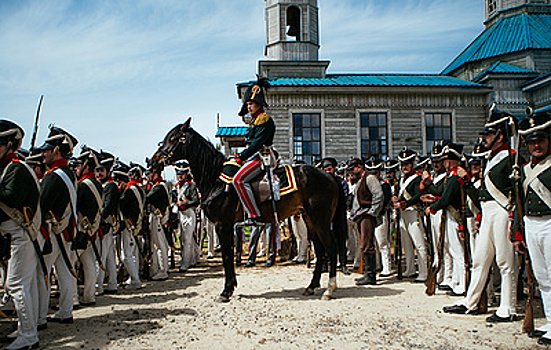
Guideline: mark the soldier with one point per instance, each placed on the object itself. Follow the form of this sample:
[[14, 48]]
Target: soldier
[[450, 201], [109, 223], [365, 212], [187, 200], [260, 133], [34, 160], [89, 206], [19, 223], [535, 196], [382, 231], [408, 203], [493, 240], [132, 202], [58, 206], [158, 200], [431, 189]]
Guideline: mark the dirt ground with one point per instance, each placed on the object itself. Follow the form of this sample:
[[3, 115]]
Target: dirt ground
[[268, 311]]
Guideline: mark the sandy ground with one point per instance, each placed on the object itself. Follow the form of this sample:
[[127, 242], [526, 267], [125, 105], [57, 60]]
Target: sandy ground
[[268, 311]]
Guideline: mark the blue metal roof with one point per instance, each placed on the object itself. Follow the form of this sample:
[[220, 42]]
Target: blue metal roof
[[231, 131], [508, 35], [502, 68], [374, 80]]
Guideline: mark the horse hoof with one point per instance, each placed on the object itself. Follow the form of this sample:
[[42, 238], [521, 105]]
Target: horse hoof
[[222, 299], [326, 297], [308, 291]]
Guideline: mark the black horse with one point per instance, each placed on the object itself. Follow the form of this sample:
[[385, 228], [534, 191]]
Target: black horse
[[317, 197]]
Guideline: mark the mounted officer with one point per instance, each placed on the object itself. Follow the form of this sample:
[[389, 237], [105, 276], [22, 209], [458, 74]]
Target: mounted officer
[[19, 222], [58, 192], [109, 222], [89, 206], [260, 134]]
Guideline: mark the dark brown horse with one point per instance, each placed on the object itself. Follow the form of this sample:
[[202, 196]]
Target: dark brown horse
[[317, 197]]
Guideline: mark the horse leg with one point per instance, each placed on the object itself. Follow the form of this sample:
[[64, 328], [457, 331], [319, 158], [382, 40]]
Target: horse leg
[[320, 257], [332, 283], [226, 242]]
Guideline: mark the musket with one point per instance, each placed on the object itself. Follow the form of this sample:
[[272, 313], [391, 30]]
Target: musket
[[431, 279], [397, 236], [466, 238], [63, 251], [35, 130]]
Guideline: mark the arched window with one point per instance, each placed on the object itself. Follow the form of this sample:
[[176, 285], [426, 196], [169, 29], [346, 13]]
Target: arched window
[[293, 23]]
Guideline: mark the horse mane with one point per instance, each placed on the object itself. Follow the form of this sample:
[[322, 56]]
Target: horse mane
[[205, 161]]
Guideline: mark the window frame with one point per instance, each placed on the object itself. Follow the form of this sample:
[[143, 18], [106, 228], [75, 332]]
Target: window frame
[[387, 127], [320, 113]]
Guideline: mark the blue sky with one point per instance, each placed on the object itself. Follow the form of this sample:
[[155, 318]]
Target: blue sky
[[119, 74]]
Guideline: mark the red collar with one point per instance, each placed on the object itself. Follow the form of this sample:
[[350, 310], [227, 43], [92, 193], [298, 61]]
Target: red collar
[[503, 147], [8, 159], [453, 171], [57, 164], [133, 182], [88, 175]]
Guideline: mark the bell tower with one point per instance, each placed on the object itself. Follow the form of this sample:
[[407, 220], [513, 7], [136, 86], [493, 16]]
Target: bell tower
[[292, 40], [497, 9]]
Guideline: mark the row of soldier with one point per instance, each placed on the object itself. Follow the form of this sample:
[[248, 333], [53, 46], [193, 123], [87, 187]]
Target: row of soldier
[[91, 211]]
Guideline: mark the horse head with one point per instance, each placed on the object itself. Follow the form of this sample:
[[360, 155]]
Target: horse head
[[173, 147]]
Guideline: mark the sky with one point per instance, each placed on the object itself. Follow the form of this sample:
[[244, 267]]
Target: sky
[[119, 74]]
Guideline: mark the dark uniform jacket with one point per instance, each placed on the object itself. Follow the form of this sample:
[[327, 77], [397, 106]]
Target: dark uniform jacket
[[451, 195], [158, 197], [187, 195], [18, 188], [433, 187], [130, 205], [111, 196], [499, 175], [55, 197], [87, 204], [533, 204], [260, 133], [412, 189]]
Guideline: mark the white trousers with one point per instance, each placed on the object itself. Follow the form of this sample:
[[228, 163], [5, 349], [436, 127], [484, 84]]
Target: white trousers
[[538, 241], [412, 236], [130, 257], [383, 243], [455, 247], [445, 273], [109, 262], [159, 248], [22, 283], [493, 242], [301, 233], [213, 241], [67, 282], [89, 261], [189, 246]]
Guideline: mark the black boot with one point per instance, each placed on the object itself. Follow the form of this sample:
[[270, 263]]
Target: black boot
[[370, 270]]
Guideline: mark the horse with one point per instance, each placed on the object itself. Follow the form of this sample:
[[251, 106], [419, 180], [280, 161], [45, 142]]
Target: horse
[[317, 198]]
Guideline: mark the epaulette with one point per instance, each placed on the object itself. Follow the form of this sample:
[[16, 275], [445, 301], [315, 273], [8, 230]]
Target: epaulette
[[261, 119]]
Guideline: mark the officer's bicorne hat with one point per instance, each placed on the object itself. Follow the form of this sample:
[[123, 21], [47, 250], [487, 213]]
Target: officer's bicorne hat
[[88, 157], [423, 162], [255, 93], [499, 122], [536, 125], [391, 165], [11, 133], [453, 151], [373, 165], [437, 151], [61, 139], [407, 155], [136, 170], [106, 160], [328, 161], [120, 171]]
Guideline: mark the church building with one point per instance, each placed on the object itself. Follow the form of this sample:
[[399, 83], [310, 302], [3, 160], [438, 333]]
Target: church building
[[319, 114]]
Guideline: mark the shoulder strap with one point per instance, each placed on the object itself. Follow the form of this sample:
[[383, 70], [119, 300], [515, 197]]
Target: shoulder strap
[[71, 187]]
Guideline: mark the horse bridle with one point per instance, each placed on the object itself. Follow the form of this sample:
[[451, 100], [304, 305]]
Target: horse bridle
[[170, 152]]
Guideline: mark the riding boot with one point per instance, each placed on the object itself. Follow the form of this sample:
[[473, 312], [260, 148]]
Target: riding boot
[[370, 269]]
